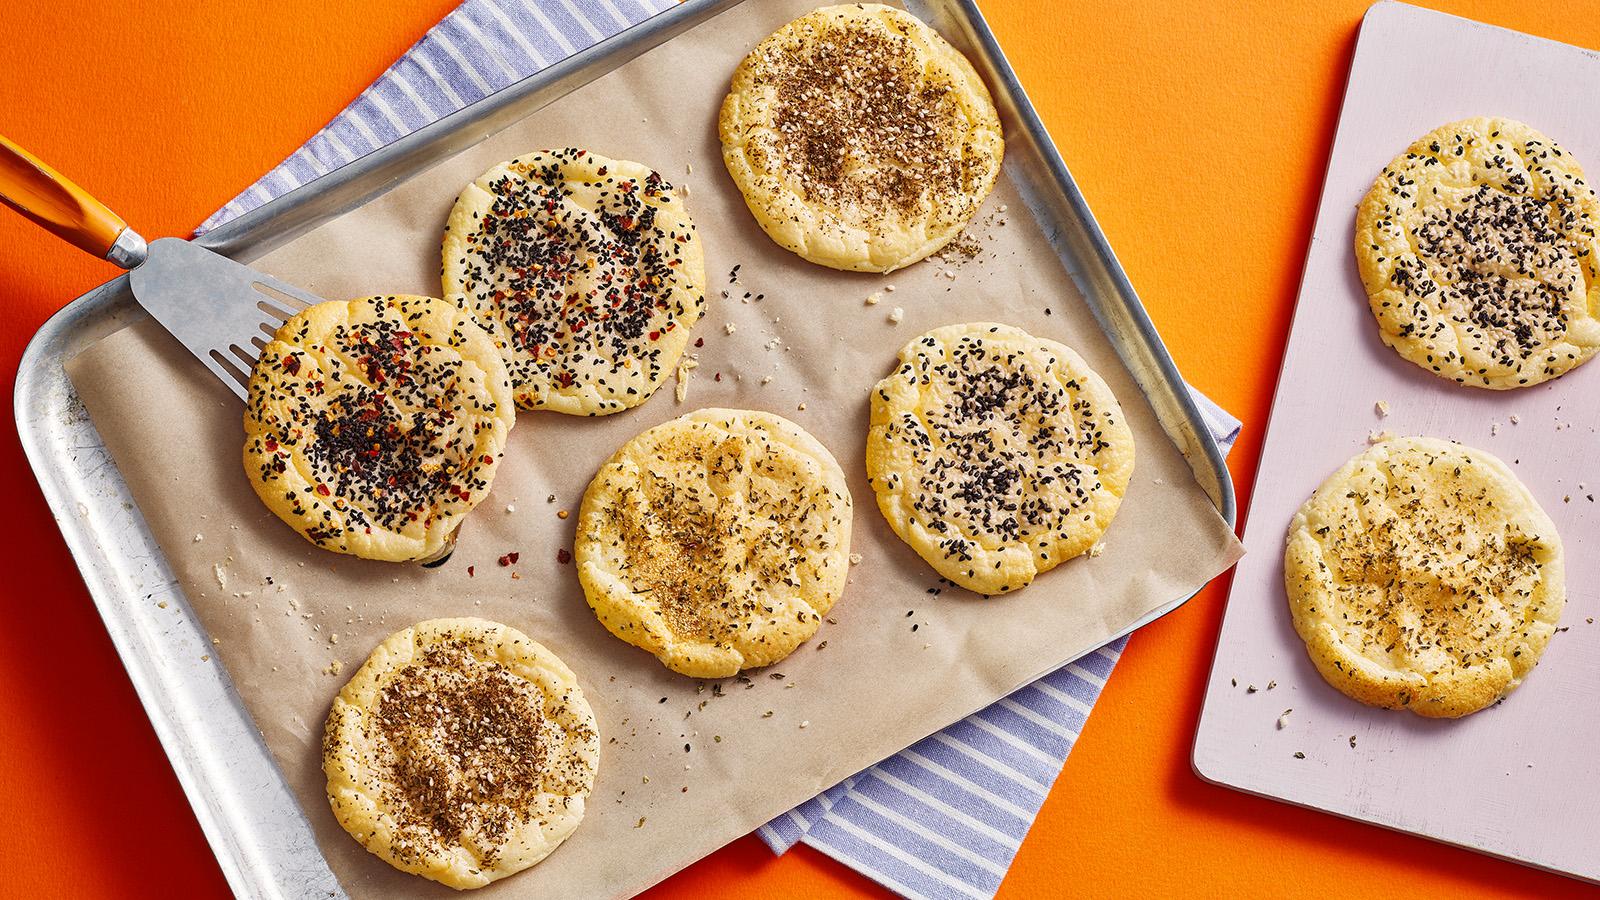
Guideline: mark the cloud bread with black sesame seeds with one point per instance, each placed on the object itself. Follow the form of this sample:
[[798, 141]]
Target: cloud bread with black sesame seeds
[[374, 425], [1423, 575], [461, 751], [1478, 250], [995, 454], [716, 541], [587, 271], [860, 138]]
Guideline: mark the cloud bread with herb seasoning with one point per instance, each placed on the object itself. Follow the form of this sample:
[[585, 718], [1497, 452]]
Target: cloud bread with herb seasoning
[[586, 270], [716, 541], [1478, 250], [461, 751], [1423, 575], [860, 139], [374, 425], [995, 454]]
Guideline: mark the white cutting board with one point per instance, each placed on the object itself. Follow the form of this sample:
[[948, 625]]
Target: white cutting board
[[1520, 780]]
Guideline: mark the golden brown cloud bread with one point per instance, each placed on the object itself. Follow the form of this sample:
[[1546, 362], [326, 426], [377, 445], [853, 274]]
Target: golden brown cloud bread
[[374, 425], [586, 270], [860, 138], [995, 454], [716, 541], [1423, 575], [461, 751], [1478, 250]]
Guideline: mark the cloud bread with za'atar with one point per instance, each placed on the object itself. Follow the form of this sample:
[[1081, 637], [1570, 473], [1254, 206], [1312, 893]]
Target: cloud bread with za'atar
[[716, 541], [1423, 575], [374, 425], [587, 271], [1478, 251], [860, 138], [461, 751], [995, 454]]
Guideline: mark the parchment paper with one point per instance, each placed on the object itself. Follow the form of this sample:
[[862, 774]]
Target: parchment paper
[[900, 661]]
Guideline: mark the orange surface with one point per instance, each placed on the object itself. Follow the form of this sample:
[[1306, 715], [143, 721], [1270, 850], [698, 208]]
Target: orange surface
[[1199, 132]]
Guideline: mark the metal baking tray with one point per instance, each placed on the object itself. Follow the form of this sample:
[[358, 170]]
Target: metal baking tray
[[261, 838]]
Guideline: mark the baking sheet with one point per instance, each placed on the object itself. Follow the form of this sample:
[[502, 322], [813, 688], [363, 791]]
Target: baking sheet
[[175, 434], [1520, 779]]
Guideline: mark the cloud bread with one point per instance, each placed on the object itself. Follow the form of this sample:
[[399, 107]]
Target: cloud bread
[[716, 541], [860, 139], [1423, 575], [374, 425], [995, 454], [586, 270], [1478, 250], [461, 751]]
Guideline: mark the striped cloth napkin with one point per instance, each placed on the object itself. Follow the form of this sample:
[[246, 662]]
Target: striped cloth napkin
[[943, 818]]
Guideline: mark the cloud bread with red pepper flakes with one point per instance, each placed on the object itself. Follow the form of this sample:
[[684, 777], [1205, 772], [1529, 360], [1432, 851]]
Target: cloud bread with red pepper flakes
[[995, 454], [1423, 575], [716, 541], [461, 751], [586, 270], [860, 139], [1478, 250], [374, 425]]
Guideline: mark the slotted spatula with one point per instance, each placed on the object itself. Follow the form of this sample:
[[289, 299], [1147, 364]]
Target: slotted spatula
[[221, 310]]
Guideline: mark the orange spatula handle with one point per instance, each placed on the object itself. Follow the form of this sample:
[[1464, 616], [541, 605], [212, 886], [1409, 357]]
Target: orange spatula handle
[[50, 199]]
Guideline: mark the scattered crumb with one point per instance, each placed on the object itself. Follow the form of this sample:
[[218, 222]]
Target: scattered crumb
[[550, 499], [801, 406], [1271, 685], [766, 379], [1494, 429], [804, 723], [561, 514], [334, 668], [640, 823], [896, 314], [1382, 408], [873, 298], [510, 508], [686, 364], [728, 328], [1352, 742], [855, 560], [1098, 548], [198, 537], [1515, 419], [1283, 720], [1250, 690], [1378, 437], [1299, 754]]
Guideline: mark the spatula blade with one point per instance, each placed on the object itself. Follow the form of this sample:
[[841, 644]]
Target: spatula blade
[[221, 310]]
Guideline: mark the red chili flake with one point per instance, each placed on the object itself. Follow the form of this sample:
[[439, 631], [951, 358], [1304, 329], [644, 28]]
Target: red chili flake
[[718, 377], [655, 335], [272, 446], [699, 342], [563, 557], [469, 570], [509, 558], [488, 460], [291, 364], [323, 490]]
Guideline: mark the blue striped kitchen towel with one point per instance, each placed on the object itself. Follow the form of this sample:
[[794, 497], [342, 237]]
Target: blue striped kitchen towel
[[943, 818]]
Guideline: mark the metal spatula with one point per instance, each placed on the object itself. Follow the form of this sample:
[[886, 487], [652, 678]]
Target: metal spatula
[[221, 310]]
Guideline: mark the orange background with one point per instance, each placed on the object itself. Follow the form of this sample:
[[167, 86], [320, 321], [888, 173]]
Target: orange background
[[1199, 132]]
